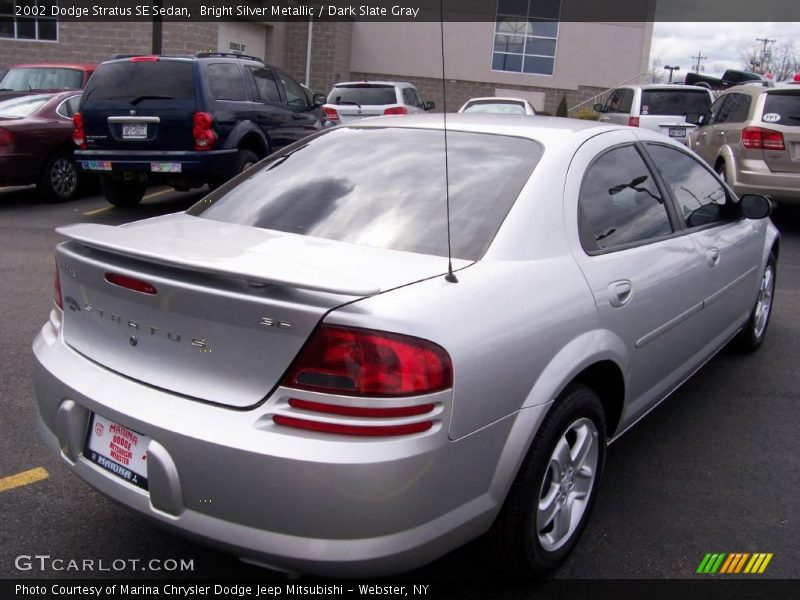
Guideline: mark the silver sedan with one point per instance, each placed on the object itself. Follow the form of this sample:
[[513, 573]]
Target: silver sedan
[[355, 357]]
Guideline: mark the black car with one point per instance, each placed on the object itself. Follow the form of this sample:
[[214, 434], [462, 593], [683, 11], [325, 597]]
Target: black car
[[186, 121]]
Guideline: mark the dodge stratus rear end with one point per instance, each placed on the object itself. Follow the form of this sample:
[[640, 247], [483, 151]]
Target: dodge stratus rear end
[[283, 371]]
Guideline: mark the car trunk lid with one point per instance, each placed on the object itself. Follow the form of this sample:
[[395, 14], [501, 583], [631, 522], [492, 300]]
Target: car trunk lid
[[360, 100]]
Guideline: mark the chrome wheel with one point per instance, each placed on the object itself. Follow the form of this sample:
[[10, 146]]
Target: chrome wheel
[[63, 177], [764, 302], [567, 484]]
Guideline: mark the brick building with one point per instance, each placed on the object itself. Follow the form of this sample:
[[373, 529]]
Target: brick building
[[525, 52]]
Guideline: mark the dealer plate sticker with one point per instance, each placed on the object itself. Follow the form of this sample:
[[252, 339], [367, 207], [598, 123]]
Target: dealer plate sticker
[[96, 165], [118, 449], [165, 167]]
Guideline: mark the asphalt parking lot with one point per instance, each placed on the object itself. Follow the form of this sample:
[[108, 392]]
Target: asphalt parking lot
[[716, 468]]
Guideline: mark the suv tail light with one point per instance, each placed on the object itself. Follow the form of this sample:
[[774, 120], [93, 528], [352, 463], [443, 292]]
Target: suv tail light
[[78, 133], [143, 59], [203, 131], [331, 114], [6, 137], [633, 121], [758, 138], [396, 110], [57, 290]]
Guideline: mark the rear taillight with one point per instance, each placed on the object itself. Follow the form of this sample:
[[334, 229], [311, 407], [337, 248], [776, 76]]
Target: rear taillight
[[633, 121], [131, 283], [758, 138], [331, 114], [362, 362], [203, 131], [396, 110], [57, 290], [78, 132], [6, 137]]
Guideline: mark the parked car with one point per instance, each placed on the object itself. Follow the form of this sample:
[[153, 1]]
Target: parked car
[[352, 100], [504, 106], [290, 370], [46, 76], [187, 121], [662, 108], [36, 143], [729, 78], [750, 136]]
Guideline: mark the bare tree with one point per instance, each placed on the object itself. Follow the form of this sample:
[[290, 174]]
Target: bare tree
[[656, 72], [781, 62]]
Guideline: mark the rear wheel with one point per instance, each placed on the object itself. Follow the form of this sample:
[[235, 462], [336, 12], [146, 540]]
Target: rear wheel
[[124, 194], [244, 160], [752, 336], [60, 179], [550, 500], [722, 172]]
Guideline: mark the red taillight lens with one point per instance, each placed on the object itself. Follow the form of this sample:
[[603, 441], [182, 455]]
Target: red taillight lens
[[57, 290], [131, 283], [396, 110], [144, 59], [385, 412], [78, 133], [202, 130], [362, 362], [330, 113], [758, 138], [361, 430], [633, 121], [6, 137]]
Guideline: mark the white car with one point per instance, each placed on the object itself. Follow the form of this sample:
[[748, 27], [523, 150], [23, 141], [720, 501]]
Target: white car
[[352, 100], [503, 106]]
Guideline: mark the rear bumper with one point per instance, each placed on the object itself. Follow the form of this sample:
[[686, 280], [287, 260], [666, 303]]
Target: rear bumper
[[213, 164], [306, 503], [754, 177]]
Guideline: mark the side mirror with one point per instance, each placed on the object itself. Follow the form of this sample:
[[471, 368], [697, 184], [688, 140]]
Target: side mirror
[[429, 105], [598, 108], [319, 100], [756, 206]]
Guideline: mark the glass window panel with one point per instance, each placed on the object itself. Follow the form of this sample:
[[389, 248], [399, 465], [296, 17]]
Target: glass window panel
[[507, 62], [539, 65], [540, 46], [549, 9], [26, 29], [511, 26], [509, 43], [512, 7], [543, 28], [48, 29]]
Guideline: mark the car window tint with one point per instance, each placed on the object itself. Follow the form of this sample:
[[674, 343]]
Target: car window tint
[[619, 202], [701, 198], [266, 87], [621, 100], [713, 110], [41, 78], [735, 109], [69, 107], [172, 79], [385, 187], [225, 80], [784, 104], [408, 97], [674, 102], [295, 96], [363, 94]]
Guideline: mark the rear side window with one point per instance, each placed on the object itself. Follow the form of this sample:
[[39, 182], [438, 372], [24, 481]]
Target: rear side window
[[363, 94], [782, 108], [225, 80], [700, 197], [129, 80], [735, 109], [621, 100], [619, 203], [266, 87], [385, 187], [674, 102]]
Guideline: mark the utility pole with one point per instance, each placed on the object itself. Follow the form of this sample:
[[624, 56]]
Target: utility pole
[[764, 54], [699, 58]]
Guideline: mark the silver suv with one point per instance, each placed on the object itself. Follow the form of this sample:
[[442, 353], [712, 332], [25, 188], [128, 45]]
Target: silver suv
[[661, 108], [751, 136], [352, 100]]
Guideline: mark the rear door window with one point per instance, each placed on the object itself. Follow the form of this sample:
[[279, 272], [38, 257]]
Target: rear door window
[[295, 95], [674, 102], [735, 109], [225, 80], [129, 80], [621, 100], [363, 94], [782, 108], [266, 87]]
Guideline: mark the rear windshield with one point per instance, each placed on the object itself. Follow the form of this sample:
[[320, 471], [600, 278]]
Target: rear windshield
[[385, 187], [22, 107], [134, 80], [363, 94], [42, 78], [674, 102], [782, 108], [504, 108]]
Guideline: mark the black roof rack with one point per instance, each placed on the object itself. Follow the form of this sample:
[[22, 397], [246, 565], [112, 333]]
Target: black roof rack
[[206, 54]]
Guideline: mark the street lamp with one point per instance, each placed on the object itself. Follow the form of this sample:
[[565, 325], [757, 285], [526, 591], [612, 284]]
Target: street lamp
[[671, 69]]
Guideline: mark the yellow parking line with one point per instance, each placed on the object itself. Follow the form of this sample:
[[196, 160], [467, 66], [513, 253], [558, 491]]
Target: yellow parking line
[[24, 478], [97, 211], [157, 194]]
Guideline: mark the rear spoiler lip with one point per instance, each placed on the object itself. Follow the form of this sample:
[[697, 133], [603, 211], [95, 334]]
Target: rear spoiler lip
[[243, 264]]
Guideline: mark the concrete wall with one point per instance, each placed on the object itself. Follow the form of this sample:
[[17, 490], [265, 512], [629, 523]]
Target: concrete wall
[[330, 52], [244, 38]]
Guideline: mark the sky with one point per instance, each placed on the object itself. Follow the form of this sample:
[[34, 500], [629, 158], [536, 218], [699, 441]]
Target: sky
[[722, 43]]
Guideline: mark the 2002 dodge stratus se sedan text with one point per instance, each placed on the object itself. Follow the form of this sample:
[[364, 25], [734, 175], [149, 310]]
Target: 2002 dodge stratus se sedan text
[[291, 349]]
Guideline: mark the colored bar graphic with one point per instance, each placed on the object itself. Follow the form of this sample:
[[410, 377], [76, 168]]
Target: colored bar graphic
[[741, 562], [703, 563], [729, 562], [734, 562], [765, 563], [718, 563]]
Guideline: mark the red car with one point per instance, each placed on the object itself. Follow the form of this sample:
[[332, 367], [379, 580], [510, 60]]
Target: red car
[[36, 143], [46, 76]]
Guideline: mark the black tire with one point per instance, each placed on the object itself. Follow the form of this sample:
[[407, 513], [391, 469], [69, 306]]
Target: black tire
[[60, 178], [752, 336], [124, 194], [514, 539], [244, 160], [722, 172]]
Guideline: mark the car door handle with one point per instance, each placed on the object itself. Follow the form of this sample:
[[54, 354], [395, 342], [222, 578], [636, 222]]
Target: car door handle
[[620, 293], [721, 133], [712, 254], [704, 134]]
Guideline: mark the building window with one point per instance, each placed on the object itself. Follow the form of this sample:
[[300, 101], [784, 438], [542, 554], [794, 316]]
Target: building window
[[28, 26], [525, 36]]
